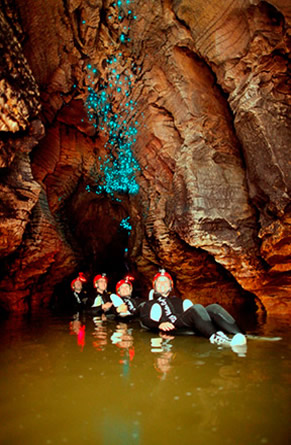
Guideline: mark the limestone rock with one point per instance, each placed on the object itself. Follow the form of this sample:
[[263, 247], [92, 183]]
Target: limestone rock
[[208, 96]]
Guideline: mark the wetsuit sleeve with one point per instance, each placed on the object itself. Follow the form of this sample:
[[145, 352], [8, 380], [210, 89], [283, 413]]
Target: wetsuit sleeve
[[97, 302], [117, 301], [106, 298], [150, 314], [96, 305], [131, 305]]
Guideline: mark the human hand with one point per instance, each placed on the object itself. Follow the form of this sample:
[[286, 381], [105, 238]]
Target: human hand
[[106, 306], [166, 326], [122, 308]]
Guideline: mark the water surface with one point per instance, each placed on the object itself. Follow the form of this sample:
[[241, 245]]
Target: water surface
[[102, 382]]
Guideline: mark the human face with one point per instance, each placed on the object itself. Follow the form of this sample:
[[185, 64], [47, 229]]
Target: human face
[[163, 286], [78, 286], [101, 284], [125, 290]]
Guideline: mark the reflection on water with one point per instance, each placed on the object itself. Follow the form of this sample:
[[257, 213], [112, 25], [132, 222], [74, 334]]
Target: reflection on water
[[98, 381], [99, 333], [161, 346], [123, 339], [77, 327]]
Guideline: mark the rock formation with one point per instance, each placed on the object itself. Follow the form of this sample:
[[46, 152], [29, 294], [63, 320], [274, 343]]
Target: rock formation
[[173, 115]]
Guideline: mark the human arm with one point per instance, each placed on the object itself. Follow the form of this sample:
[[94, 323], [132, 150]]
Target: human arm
[[150, 315], [133, 305], [122, 308], [119, 305], [166, 326], [106, 306]]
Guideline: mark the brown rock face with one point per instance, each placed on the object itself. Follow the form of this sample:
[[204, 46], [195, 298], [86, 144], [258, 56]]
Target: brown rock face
[[189, 100]]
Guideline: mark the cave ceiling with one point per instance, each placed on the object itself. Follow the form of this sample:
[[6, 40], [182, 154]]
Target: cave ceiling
[[138, 134]]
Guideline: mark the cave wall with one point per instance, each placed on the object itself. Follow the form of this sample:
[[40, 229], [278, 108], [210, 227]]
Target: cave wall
[[207, 97]]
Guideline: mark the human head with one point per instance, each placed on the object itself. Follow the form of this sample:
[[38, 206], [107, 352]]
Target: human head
[[163, 282], [124, 286], [100, 282], [77, 283]]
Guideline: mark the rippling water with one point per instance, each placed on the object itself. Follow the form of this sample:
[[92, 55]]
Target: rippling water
[[102, 382]]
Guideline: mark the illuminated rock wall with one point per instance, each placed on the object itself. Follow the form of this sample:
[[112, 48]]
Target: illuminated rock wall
[[151, 133]]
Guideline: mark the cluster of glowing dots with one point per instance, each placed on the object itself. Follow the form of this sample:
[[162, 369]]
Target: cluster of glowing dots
[[125, 224], [111, 110]]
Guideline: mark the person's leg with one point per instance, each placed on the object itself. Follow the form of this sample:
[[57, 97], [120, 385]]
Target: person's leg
[[222, 319], [197, 319]]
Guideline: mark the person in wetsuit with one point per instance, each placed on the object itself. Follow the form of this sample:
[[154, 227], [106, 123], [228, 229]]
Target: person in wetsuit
[[101, 302], [124, 304], [80, 297], [169, 313]]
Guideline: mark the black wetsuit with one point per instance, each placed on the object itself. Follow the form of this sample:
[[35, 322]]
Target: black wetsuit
[[133, 305], [222, 319], [80, 300], [95, 303], [184, 314]]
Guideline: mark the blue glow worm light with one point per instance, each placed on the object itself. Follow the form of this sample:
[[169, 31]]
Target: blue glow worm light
[[119, 167], [125, 224]]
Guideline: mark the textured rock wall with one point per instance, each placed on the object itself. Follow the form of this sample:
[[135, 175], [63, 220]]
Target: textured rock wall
[[209, 99]]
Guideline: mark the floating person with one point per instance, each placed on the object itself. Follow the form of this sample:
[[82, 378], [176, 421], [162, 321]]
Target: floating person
[[80, 295], [125, 305], [102, 301], [169, 314]]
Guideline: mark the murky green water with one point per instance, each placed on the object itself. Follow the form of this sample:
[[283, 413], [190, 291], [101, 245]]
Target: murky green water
[[103, 383]]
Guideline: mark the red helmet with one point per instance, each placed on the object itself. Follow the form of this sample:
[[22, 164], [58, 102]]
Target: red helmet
[[98, 277], [81, 277], [163, 273], [126, 280]]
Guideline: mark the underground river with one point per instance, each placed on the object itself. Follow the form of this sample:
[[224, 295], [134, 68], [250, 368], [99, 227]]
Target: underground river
[[82, 380]]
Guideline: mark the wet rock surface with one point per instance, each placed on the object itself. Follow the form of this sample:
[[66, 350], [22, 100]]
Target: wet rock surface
[[208, 93]]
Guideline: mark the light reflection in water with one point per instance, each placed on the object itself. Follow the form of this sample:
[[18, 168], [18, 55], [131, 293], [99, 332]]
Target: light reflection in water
[[116, 383]]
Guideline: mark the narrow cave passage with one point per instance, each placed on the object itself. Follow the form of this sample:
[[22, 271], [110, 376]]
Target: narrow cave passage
[[99, 232]]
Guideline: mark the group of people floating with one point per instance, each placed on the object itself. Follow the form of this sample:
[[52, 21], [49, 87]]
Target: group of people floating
[[160, 311]]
